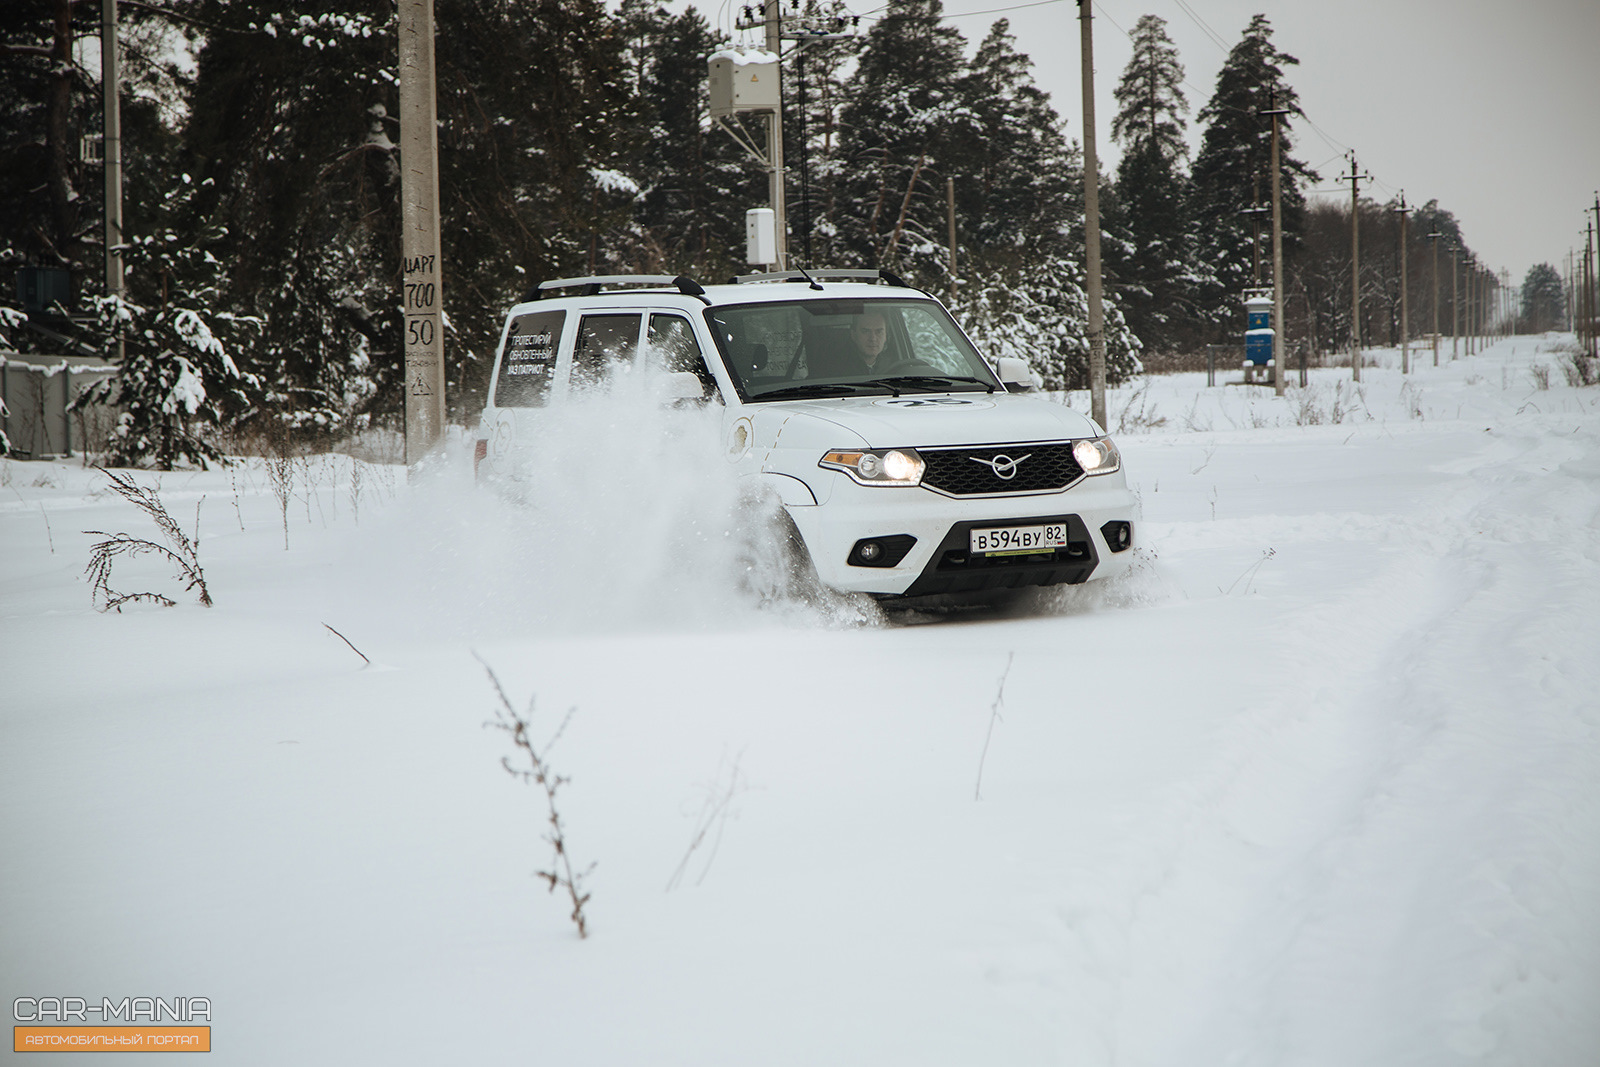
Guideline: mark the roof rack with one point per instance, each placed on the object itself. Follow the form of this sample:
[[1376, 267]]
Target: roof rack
[[837, 275], [601, 282]]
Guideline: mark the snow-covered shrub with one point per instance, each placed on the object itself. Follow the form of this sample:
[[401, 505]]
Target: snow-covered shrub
[[175, 378]]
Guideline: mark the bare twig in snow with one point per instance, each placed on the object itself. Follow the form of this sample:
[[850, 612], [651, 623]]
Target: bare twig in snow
[[561, 874], [1250, 572], [994, 717], [346, 640], [714, 812]]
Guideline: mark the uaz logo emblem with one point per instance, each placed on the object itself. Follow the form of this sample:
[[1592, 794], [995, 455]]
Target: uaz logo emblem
[[1004, 467]]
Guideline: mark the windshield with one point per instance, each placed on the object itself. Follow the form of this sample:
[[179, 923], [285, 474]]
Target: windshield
[[813, 348]]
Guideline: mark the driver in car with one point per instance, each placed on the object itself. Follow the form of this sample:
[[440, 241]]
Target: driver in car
[[869, 333]]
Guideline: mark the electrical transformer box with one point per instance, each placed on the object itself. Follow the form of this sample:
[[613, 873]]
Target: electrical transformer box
[[1259, 336], [742, 81]]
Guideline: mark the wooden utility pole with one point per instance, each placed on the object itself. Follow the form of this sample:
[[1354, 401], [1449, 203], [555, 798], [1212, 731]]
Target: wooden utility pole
[[950, 211], [1591, 260], [1433, 239], [110, 91], [1455, 303], [1405, 291], [1280, 336], [1355, 177], [1255, 211], [422, 269], [1091, 223], [1588, 290]]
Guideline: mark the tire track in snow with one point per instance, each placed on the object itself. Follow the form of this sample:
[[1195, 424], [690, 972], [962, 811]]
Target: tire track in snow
[[1297, 872]]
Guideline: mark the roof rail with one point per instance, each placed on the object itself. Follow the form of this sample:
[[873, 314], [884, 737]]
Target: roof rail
[[599, 283], [837, 275]]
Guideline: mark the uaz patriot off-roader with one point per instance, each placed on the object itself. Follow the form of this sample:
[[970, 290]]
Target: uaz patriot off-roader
[[909, 465]]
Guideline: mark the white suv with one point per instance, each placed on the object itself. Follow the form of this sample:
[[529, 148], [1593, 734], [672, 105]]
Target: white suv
[[906, 462]]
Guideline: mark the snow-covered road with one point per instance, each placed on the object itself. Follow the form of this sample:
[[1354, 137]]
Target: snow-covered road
[[1319, 785]]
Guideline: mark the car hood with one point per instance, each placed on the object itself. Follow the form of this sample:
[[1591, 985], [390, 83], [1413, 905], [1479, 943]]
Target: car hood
[[925, 420]]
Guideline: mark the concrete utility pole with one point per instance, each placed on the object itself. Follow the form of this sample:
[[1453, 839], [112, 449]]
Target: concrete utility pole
[[110, 91], [1280, 338], [1091, 223], [1433, 239], [1405, 291], [1355, 178], [422, 269], [772, 15]]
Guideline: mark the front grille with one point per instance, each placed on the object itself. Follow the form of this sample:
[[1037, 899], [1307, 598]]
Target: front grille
[[1049, 467]]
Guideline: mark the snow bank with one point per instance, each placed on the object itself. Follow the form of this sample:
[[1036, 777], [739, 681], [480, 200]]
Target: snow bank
[[1318, 788]]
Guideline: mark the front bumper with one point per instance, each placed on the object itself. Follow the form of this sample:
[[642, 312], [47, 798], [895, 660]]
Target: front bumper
[[938, 561]]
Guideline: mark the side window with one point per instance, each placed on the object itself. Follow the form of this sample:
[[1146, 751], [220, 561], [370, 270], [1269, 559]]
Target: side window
[[932, 344], [673, 348], [602, 340], [528, 360]]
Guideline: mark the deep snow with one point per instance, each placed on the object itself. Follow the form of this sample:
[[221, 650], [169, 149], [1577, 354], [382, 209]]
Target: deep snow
[[1319, 784]]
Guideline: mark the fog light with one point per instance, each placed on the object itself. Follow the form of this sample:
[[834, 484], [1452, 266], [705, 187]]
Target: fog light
[[885, 550], [1118, 535]]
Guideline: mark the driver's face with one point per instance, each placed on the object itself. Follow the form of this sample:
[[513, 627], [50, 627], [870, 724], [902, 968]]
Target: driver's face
[[870, 333]]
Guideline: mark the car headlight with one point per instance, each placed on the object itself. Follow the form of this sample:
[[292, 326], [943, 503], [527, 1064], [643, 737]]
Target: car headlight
[[1097, 455], [878, 466]]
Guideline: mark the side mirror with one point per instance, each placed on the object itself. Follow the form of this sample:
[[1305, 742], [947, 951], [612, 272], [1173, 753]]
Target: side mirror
[[1015, 374], [681, 385]]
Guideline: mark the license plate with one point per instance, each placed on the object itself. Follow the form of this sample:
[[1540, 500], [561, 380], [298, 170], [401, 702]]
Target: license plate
[[1018, 540]]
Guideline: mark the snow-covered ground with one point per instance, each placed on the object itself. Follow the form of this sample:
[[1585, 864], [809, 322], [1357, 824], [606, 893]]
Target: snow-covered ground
[[1319, 785]]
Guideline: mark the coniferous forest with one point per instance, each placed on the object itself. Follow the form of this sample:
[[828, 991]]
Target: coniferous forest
[[262, 211]]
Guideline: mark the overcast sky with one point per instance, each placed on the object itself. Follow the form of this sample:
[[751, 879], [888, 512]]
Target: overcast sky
[[1481, 106]]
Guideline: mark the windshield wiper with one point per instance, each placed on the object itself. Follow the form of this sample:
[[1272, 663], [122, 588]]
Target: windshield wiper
[[933, 382], [819, 389]]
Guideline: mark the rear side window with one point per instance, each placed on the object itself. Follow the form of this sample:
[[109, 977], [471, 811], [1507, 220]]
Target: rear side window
[[602, 340], [528, 362]]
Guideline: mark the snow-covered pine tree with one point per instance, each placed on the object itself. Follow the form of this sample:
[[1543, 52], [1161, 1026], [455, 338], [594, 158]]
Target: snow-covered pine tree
[[1235, 154], [1544, 299], [898, 131], [294, 116], [1020, 224], [1150, 101], [1153, 272]]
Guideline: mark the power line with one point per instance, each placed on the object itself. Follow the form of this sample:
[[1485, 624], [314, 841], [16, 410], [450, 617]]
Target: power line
[[954, 14], [1205, 28]]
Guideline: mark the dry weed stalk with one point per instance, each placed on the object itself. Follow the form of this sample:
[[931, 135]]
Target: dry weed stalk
[[714, 811], [994, 717], [280, 475], [561, 874], [182, 552], [355, 488]]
